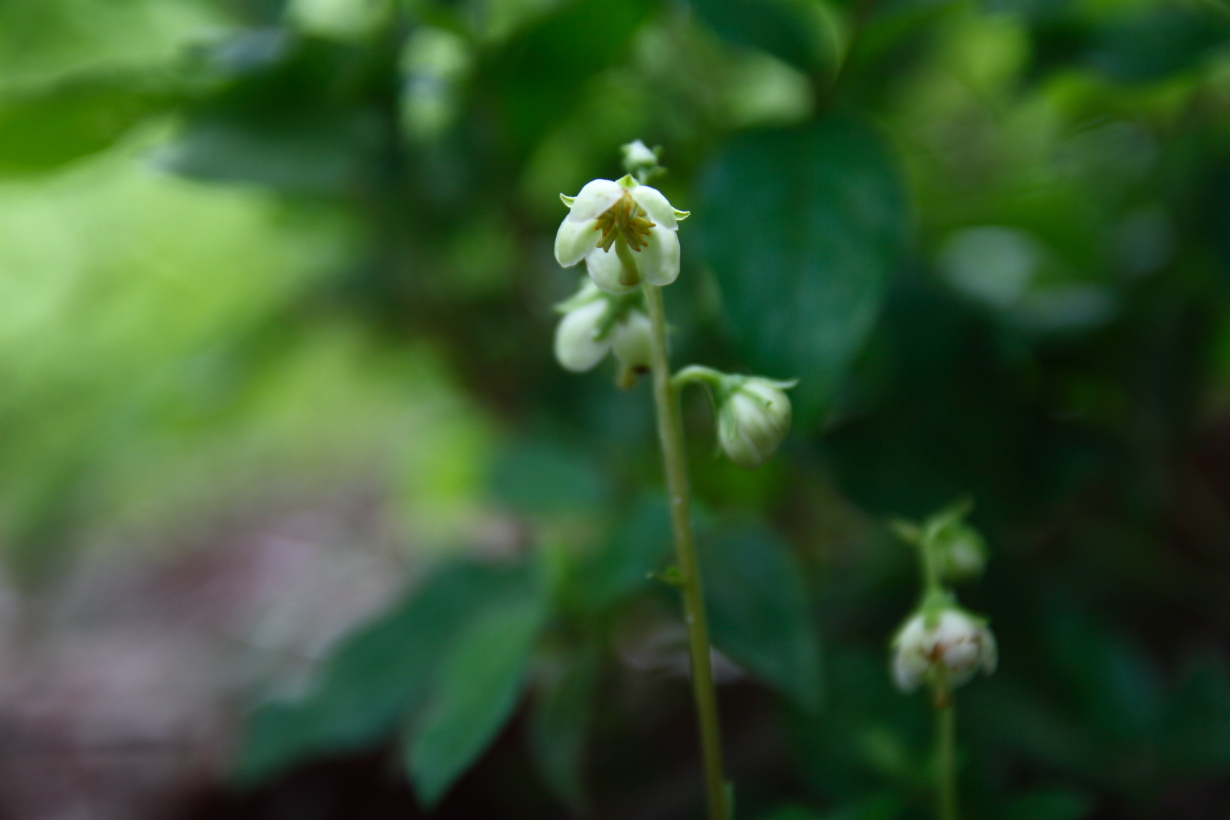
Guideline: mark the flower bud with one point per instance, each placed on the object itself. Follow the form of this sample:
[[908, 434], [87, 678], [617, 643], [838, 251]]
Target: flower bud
[[961, 552], [950, 638], [753, 418]]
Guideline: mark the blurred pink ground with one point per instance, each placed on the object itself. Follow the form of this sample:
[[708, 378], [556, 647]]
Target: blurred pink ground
[[122, 684]]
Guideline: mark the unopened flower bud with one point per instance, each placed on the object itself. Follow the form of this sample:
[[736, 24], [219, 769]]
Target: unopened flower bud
[[961, 552], [753, 418], [950, 638]]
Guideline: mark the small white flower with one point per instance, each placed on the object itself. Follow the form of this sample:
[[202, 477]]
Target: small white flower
[[949, 637], [606, 218], [592, 326], [753, 418]]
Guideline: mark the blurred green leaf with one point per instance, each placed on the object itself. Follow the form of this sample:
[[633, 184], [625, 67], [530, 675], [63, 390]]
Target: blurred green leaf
[[383, 672], [479, 684], [542, 478], [296, 113], [760, 613], [1197, 731], [1156, 42], [638, 547], [543, 70], [783, 28], [1051, 804], [803, 228], [560, 720], [46, 126]]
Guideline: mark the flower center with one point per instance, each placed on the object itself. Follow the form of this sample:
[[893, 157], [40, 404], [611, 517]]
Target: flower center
[[627, 219]]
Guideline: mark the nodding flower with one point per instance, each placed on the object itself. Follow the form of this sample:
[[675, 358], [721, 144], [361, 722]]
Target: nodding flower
[[595, 323], [626, 233], [959, 642]]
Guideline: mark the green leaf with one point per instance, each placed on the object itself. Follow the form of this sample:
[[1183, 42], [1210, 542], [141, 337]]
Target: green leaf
[[622, 566], [783, 28], [560, 720], [381, 673], [478, 688], [1050, 804], [545, 479], [540, 72], [298, 114], [759, 611], [44, 127], [802, 228]]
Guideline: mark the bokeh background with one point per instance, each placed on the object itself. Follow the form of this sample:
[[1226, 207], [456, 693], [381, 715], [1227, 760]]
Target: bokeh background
[[300, 519]]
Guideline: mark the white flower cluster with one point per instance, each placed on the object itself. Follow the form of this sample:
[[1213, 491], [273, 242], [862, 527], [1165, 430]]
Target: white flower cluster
[[626, 232]]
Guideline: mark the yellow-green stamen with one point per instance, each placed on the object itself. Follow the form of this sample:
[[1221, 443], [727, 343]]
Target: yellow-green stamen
[[627, 219]]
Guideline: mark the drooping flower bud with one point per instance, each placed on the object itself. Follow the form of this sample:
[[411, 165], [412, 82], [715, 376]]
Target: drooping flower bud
[[753, 418], [948, 637], [961, 551], [626, 233]]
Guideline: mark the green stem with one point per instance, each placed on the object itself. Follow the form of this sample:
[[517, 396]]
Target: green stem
[[945, 749], [670, 434]]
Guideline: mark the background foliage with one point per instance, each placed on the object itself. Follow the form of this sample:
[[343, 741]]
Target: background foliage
[[252, 250]]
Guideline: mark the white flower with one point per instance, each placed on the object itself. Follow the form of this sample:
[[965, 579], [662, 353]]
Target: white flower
[[607, 220], [949, 637], [594, 324], [753, 418]]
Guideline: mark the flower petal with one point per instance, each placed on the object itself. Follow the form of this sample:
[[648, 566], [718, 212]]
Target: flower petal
[[659, 210], [605, 269], [595, 198], [576, 347], [659, 260], [573, 240]]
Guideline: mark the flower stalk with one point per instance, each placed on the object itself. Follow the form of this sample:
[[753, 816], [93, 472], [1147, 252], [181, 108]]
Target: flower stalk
[[670, 436], [940, 643], [626, 234]]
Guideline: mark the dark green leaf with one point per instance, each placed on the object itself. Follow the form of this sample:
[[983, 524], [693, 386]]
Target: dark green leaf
[[1051, 804], [802, 228], [1197, 729], [541, 478], [783, 28], [298, 114], [560, 720], [542, 71], [478, 688], [381, 673], [760, 613], [636, 549], [45, 127]]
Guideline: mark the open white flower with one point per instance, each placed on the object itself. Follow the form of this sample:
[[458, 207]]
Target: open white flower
[[625, 232], [594, 324], [949, 637]]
